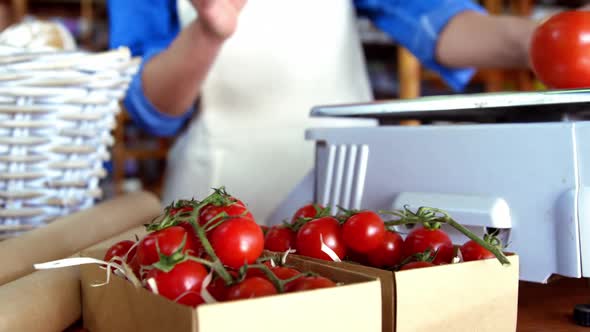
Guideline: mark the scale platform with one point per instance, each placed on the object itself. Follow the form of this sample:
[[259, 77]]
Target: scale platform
[[518, 163]]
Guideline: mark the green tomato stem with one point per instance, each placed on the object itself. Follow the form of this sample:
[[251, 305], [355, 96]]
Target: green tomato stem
[[277, 282], [200, 261], [271, 276], [494, 250], [427, 216], [400, 222], [217, 265]]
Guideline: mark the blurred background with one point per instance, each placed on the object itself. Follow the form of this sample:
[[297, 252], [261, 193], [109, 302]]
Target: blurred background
[[139, 160]]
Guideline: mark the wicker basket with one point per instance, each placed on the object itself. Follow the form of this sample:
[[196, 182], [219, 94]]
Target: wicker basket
[[57, 111]]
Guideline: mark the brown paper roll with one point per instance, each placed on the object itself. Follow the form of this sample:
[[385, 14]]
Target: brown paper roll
[[48, 300], [70, 234], [41, 301]]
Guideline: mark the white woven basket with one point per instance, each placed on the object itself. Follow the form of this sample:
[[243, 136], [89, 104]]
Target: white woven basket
[[57, 111]]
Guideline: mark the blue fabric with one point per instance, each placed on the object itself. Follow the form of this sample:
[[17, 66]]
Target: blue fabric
[[148, 26], [142, 25]]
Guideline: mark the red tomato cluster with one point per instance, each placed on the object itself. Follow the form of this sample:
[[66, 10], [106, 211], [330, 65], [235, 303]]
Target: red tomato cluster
[[219, 236], [363, 237]]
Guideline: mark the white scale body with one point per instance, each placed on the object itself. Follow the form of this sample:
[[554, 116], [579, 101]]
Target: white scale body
[[528, 179]]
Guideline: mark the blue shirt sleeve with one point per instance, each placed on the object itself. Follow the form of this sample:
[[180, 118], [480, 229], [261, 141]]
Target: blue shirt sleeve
[[146, 27], [416, 25]]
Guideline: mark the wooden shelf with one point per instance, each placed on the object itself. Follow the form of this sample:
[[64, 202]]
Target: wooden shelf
[[122, 152]]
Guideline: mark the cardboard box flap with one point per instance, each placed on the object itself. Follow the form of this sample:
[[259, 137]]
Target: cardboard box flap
[[132, 307], [461, 303], [119, 306], [385, 278], [335, 273], [346, 308]]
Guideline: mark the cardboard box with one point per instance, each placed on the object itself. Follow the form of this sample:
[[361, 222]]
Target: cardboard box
[[471, 296], [119, 306]]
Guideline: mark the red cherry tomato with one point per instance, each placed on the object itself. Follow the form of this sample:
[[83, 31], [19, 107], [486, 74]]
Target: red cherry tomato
[[124, 249], [121, 249], [389, 253], [250, 288], [279, 238], [217, 287], [237, 241], [307, 211], [363, 231], [256, 272], [560, 50], [472, 251], [234, 209], [194, 238], [175, 210], [281, 272], [308, 283], [421, 239], [134, 264], [357, 257], [327, 229], [416, 265], [168, 240], [181, 284]]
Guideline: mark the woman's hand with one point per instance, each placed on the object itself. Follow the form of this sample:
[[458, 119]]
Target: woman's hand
[[218, 18]]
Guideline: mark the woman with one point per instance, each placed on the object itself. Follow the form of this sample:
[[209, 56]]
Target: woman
[[258, 82]]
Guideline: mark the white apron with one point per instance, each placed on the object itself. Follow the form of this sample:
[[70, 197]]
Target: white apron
[[285, 57]]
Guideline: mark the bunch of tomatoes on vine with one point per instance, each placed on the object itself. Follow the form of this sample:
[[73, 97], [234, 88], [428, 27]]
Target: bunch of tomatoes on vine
[[208, 251], [364, 237], [213, 250]]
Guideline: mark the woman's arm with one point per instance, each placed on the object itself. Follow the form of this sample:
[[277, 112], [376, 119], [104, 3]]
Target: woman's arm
[[172, 79], [472, 39]]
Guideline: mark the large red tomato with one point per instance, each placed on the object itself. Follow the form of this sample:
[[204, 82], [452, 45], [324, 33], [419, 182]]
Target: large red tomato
[[363, 231], [421, 239], [237, 241], [560, 50], [308, 240], [181, 284], [168, 240]]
